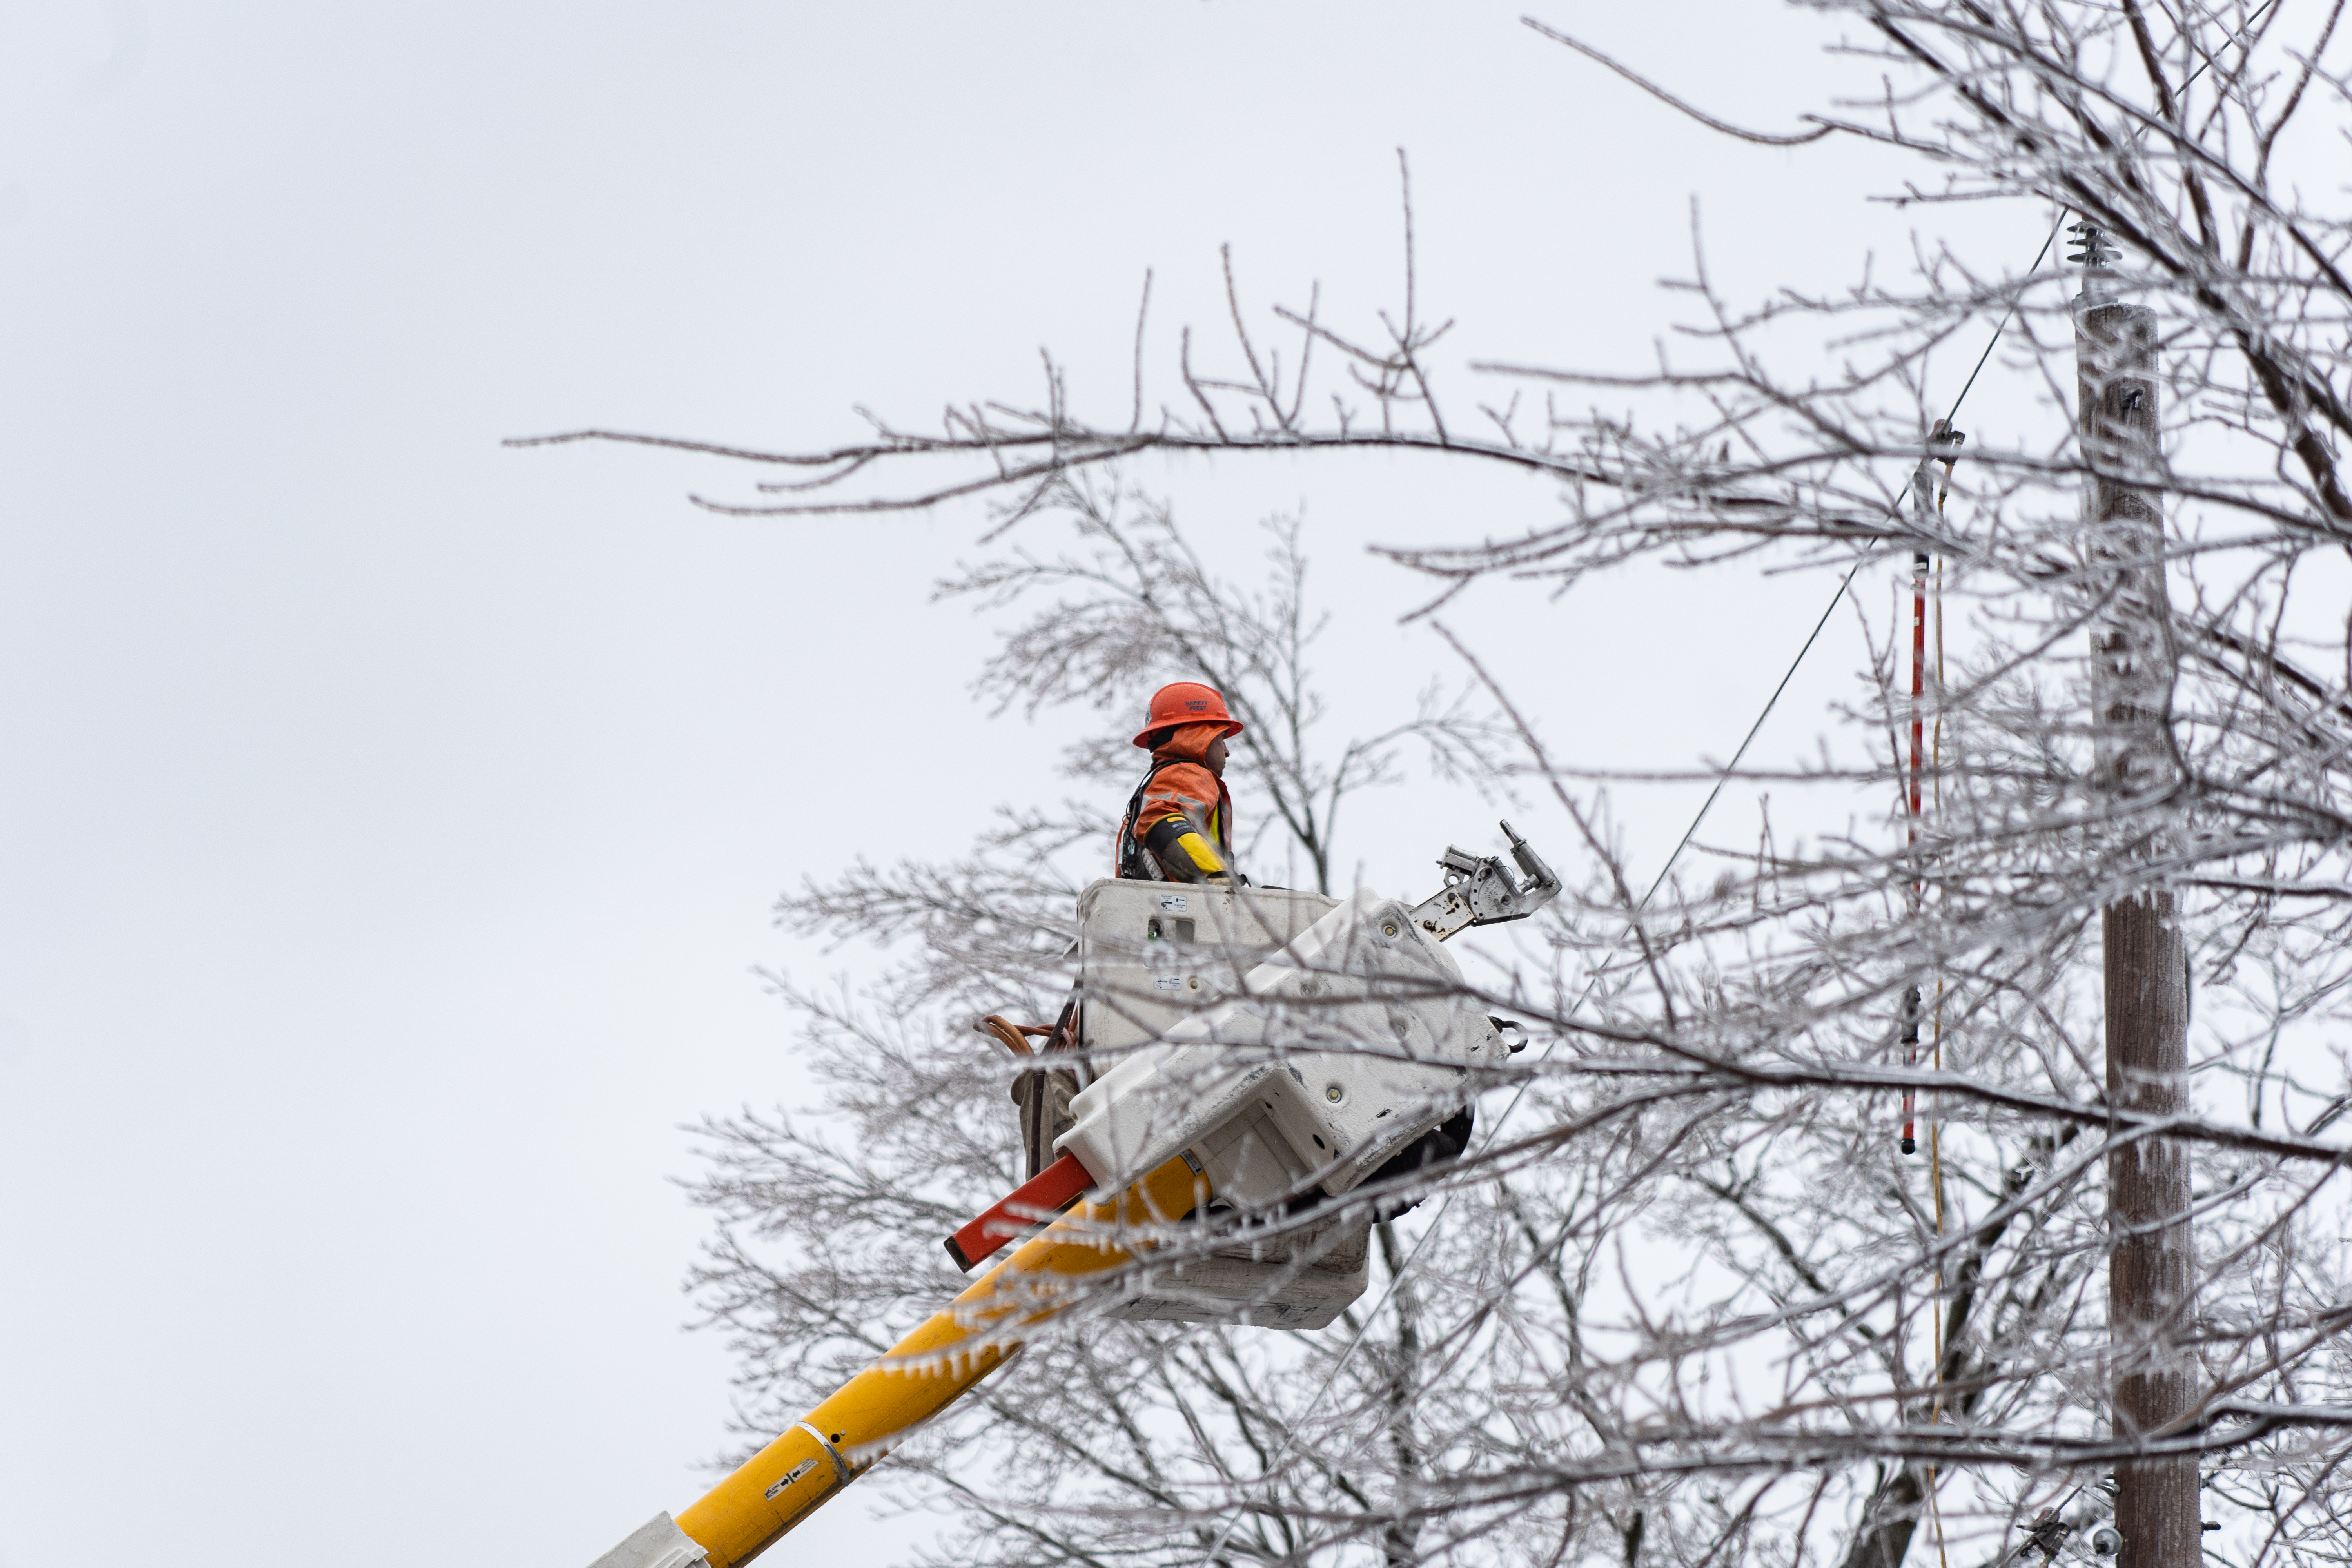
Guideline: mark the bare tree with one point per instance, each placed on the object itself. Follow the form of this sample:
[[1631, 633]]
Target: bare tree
[[830, 1225], [1688, 1301]]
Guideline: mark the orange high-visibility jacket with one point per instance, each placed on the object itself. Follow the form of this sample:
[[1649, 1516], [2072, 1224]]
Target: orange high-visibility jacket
[[1181, 798]]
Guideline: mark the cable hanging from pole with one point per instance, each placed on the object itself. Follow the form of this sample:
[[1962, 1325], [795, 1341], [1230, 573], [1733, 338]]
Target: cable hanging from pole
[[1928, 492]]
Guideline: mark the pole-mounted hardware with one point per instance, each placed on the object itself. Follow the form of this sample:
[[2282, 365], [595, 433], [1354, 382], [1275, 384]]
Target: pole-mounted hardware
[[2094, 253], [2092, 249]]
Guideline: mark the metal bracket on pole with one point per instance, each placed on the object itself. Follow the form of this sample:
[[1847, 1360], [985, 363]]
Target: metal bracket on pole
[[1480, 891]]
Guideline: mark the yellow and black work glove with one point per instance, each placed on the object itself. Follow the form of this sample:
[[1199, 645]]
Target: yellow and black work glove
[[1183, 855]]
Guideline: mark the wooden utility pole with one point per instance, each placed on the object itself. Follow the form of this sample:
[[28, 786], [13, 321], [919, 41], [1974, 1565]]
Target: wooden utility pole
[[2152, 1261]]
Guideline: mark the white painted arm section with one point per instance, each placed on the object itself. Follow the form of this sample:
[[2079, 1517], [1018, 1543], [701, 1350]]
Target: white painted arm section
[[1339, 1050]]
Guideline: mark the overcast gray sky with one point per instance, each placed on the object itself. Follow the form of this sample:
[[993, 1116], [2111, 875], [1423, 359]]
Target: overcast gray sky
[[391, 819]]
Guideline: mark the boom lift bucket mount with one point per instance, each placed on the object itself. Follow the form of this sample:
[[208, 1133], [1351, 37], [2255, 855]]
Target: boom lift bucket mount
[[1299, 1047]]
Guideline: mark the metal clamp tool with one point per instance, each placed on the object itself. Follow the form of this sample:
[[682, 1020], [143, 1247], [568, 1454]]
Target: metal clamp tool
[[1480, 891]]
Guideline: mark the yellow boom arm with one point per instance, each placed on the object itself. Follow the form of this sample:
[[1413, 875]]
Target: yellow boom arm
[[925, 1373]]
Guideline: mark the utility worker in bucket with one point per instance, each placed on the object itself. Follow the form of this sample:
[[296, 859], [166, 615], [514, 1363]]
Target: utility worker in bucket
[[1179, 825], [1178, 828]]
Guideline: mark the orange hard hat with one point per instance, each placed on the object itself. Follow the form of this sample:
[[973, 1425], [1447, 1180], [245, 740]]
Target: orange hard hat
[[1186, 702]]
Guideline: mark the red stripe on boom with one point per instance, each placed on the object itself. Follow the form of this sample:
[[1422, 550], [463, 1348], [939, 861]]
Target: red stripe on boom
[[1049, 1192]]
